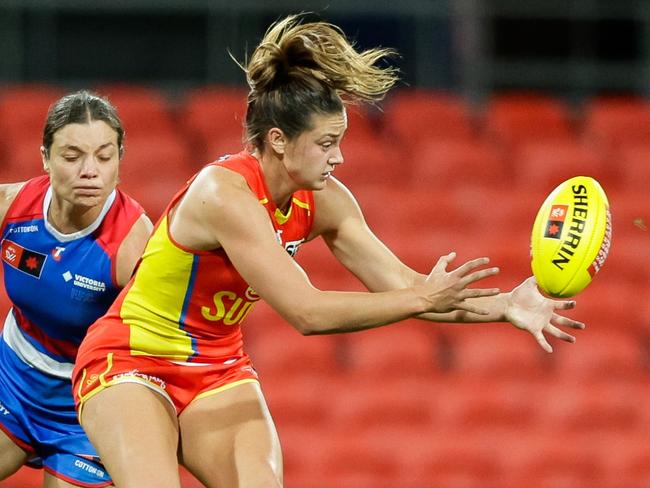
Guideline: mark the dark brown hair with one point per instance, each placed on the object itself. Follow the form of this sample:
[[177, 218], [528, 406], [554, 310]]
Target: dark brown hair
[[304, 68], [81, 107]]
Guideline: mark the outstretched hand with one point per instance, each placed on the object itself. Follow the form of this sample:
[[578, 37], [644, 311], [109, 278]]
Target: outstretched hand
[[529, 310], [447, 290]]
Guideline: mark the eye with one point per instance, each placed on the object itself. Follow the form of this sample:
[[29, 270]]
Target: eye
[[326, 145], [104, 159], [71, 157]]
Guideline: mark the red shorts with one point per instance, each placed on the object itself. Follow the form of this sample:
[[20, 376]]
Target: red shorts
[[179, 383]]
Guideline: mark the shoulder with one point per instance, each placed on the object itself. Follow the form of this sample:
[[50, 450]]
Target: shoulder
[[218, 186], [8, 193]]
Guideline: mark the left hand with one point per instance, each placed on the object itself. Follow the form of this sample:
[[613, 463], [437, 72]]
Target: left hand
[[529, 310]]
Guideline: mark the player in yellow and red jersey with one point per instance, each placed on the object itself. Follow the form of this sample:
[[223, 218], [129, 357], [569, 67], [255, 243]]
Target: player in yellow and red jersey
[[163, 376]]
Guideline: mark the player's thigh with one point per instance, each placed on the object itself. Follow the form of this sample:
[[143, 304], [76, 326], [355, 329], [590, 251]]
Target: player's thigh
[[229, 439], [12, 457], [51, 481], [135, 431]]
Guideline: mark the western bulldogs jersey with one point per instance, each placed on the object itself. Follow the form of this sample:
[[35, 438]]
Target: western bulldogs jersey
[[59, 284]]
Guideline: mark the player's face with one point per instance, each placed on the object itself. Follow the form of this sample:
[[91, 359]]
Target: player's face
[[312, 156], [83, 163]]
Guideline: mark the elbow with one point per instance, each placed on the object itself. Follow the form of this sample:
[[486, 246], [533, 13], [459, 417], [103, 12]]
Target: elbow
[[309, 322]]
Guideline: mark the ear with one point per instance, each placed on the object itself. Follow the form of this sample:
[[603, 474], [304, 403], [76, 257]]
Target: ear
[[45, 160], [276, 140]]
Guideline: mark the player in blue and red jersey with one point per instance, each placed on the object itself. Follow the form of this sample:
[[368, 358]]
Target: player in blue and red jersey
[[163, 375], [70, 241]]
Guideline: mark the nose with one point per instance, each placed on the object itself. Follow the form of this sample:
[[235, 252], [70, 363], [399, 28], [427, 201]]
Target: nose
[[89, 167], [337, 157]]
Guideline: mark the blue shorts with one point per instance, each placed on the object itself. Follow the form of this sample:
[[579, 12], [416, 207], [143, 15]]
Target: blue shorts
[[37, 412]]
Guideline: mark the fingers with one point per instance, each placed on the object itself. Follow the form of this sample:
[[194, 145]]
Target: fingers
[[444, 261], [470, 265], [478, 275], [479, 292], [560, 334], [468, 307], [541, 340], [563, 304], [566, 322]]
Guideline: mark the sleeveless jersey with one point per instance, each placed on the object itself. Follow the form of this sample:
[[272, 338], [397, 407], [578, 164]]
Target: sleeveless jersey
[[58, 284], [186, 305]]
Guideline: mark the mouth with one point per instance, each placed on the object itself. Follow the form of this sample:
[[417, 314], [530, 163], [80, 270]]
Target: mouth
[[87, 190]]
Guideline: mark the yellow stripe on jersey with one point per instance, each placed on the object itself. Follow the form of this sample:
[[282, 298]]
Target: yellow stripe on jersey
[[156, 328], [301, 204]]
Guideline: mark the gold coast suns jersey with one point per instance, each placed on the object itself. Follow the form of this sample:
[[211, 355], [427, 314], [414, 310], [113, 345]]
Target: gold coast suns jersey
[[187, 305]]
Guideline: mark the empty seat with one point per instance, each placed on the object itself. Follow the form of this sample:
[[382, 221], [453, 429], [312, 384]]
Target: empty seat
[[520, 117], [443, 164], [593, 406], [283, 351], [545, 165], [633, 160], [609, 121], [213, 112], [372, 161], [405, 349], [154, 169], [415, 115], [142, 109], [497, 351], [605, 353]]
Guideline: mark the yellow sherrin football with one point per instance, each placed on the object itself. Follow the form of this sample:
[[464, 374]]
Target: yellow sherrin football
[[571, 237]]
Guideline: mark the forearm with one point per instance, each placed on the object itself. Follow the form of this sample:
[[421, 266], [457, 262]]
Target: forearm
[[495, 306], [330, 312]]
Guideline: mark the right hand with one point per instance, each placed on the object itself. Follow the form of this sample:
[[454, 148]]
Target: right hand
[[447, 290]]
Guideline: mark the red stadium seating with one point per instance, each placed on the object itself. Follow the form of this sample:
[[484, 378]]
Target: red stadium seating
[[601, 354], [543, 165], [154, 169], [515, 118], [213, 113], [143, 110], [443, 164], [412, 116], [409, 348], [633, 159], [609, 121], [497, 351]]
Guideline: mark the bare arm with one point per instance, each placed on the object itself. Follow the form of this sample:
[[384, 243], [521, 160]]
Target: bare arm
[[341, 224], [8, 193], [220, 210], [131, 249]]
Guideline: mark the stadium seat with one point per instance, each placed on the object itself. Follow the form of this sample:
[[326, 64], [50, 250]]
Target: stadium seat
[[211, 113], [443, 164], [514, 118], [283, 351], [601, 354], [540, 164], [610, 121], [503, 404], [372, 161], [496, 352], [405, 349], [154, 169], [633, 161], [413, 115], [593, 406], [142, 109]]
